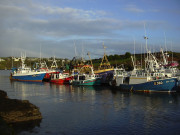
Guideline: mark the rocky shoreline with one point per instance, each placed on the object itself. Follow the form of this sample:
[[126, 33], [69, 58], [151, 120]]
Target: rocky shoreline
[[17, 115]]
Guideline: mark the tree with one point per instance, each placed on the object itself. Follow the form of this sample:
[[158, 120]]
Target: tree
[[127, 55]]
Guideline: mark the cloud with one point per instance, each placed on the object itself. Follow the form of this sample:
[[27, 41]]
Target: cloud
[[25, 25], [133, 9]]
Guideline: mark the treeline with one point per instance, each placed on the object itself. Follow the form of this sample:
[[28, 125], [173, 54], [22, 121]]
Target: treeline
[[115, 61], [125, 60]]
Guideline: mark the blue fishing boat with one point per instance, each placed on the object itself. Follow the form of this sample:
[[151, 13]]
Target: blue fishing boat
[[24, 73], [153, 78], [160, 85]]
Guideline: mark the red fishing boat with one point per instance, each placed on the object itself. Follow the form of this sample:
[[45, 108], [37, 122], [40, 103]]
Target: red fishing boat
[[49, 73], [61, 78]]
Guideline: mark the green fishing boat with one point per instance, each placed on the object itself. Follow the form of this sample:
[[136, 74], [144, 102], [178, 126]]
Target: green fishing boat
[[86, 77]]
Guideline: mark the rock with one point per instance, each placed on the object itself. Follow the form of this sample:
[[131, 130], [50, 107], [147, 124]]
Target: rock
[[18, 112], [3, 94], [5, 129], [13, 110]]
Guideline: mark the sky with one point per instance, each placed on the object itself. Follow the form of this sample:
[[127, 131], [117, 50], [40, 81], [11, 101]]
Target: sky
[[68, 28]]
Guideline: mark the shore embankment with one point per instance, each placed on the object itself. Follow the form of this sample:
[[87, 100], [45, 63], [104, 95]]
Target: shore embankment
[[17, 114]]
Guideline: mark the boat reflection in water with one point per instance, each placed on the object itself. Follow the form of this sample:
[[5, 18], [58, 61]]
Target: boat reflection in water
[[22, 90]]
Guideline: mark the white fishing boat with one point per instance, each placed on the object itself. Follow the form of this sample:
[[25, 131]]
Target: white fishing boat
[[119, 75]]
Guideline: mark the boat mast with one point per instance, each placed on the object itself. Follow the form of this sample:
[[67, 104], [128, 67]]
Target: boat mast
[[104, 57], [141, 55], [145, 37], [23, 58], [54, 64], [172, 51], [12, 61], [75, 49], [40, 53], [164, 58], [134, 55], [133, 62], [82, 57], [90, 58]]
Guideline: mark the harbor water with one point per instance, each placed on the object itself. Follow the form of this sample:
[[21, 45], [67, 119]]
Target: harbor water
[[101, 110]]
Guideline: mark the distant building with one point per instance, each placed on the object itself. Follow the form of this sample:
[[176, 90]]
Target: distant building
[[16, 59], [50, 59], [1, 60], [33, 59]]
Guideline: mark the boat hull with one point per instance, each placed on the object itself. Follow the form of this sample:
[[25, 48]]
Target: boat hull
[[87, 82], [165, 85], [34, 77], [48, 75], [178, 89], [106, 75], [62, 81]]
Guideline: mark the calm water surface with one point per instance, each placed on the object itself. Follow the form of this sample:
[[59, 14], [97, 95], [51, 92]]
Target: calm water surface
[[69, 110]]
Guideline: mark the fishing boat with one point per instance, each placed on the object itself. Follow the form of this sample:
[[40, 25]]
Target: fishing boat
[[86, 76], [61, 78], [49, 71], [25, 73], [149, 82], [105, 70], [118, 77], [152, 78], [161, 85]]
